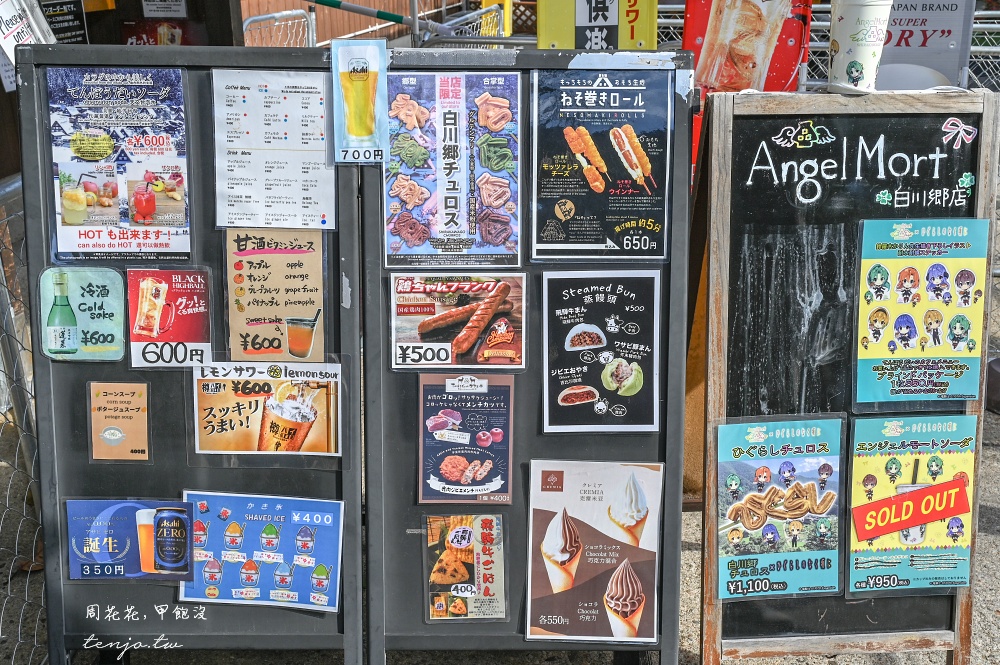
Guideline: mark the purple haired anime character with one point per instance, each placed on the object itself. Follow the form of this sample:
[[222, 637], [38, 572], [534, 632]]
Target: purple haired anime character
[[906, 331], [937, 281], [787, 473]]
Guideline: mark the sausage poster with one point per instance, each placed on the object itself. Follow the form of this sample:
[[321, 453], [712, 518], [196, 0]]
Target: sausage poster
[[602, 351], [454, 320], [600, 164]]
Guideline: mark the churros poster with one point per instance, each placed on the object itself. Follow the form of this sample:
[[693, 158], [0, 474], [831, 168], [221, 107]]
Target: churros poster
[[911, 493], [920, 326], [601, 163], [465, 438], [464, 561], [602, 351], [451, 178], [255, 549], [259, 408], [594, 535], [119, 160], [780, 517], [454, 320]]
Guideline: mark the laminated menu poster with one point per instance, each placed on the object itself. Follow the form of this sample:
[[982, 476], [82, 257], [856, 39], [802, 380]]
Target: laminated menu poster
[[464, 561], [465, 438], [256, 549], [593, 553], [602, 351], [119, 153], [457, 321], [121, 539], [271, 130], [119, 421], [83, 313], [275, 295], [602, 147], [452, 176], [259, 409], [781, 511], [170, 317], [920, 325], [911, 503]]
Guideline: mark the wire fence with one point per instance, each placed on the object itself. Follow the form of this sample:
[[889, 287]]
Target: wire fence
[[23, 630], [290, 28]]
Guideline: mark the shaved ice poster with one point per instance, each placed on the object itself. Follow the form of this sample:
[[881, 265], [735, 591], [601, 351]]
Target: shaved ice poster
[[780, 508], [253, 549]]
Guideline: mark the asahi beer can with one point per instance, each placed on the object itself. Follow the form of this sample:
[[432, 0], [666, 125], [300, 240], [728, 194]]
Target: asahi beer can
[[172, 530]]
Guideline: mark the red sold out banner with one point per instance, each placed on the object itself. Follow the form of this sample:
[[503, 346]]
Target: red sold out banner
[[903, 511]]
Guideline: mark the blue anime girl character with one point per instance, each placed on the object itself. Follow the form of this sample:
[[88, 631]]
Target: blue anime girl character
[[855, 72], [733, 484], [878, 282], [906, 331], [958, 331], [893, 469], [935, 467], [770, 535], [964, 281], [823, 529], [937, 281], [956, 529], [787, 473]]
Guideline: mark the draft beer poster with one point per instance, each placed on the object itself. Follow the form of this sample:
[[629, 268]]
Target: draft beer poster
[[452, 178], [260, 409], [271, 131], [254, 549], [169, 317], [911, 495], [119, 153], [359, 89], [920, 331], [781, 508], [110, 539], [274, 290]]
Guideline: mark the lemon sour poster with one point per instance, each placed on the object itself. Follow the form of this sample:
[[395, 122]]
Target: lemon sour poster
[[911, 494], [920, 309]]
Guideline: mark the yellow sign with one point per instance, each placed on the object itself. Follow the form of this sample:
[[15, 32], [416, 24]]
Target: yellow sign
[[91, 145]]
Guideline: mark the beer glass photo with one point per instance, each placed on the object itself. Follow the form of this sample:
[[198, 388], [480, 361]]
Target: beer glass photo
[[739, 43], [358, 67], [299, 333], [150, 306], [144, 522]]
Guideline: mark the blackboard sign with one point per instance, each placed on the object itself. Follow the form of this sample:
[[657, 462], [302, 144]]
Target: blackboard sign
[[790, 180]]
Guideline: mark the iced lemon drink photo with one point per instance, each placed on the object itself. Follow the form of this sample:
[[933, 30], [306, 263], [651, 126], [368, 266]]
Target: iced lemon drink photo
[[288, 416]]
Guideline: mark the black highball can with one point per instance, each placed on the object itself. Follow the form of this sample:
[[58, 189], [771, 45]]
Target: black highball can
[[172, 530]]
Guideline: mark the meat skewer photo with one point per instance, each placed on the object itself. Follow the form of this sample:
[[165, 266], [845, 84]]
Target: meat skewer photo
[[640, 153], [628, 157]]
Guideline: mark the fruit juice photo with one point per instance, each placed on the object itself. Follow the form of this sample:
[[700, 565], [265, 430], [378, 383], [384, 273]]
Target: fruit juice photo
[[74, 206], [144, 200], [300, 333]]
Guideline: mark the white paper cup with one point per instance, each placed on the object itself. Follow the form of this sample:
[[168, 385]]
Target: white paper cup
[[857, 33]]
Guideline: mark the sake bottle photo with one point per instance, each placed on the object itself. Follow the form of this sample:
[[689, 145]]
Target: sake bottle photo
[[61, 332]]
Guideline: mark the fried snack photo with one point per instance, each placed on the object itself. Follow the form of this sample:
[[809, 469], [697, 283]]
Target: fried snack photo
[[408, 111], [576, 145], [409, 192], [640, 153], [628, 157], [494, 112]]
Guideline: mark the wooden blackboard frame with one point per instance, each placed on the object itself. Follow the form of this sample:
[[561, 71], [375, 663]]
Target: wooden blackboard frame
[[722, 108]]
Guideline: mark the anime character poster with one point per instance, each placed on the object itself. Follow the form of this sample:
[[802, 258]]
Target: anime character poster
[[911, 495], [780, 513], [920, 311]]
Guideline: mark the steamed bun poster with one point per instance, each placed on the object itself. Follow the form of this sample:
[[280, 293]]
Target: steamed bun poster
[[594, 550], [920, 333], [780, 499], [911, 494]]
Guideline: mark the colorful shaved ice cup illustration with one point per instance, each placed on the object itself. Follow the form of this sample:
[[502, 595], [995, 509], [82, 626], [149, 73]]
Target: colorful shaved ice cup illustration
[[234, 536], [250, 573], [199, 534], [203, 506], [269, 538], [320, 578], [283, 576], [212, 572], [288, 416], [305, 540]]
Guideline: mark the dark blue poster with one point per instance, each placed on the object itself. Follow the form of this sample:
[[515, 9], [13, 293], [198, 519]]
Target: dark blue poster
[[255, 549], [465, 438], [115, 539]]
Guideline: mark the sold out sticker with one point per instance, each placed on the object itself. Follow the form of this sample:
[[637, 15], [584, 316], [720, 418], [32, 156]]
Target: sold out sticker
[[903, 511]]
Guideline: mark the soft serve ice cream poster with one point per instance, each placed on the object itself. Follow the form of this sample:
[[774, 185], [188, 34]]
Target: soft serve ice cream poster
[[911, 494], [594, 549], [261, 409], [252, 549], [780, 508]]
